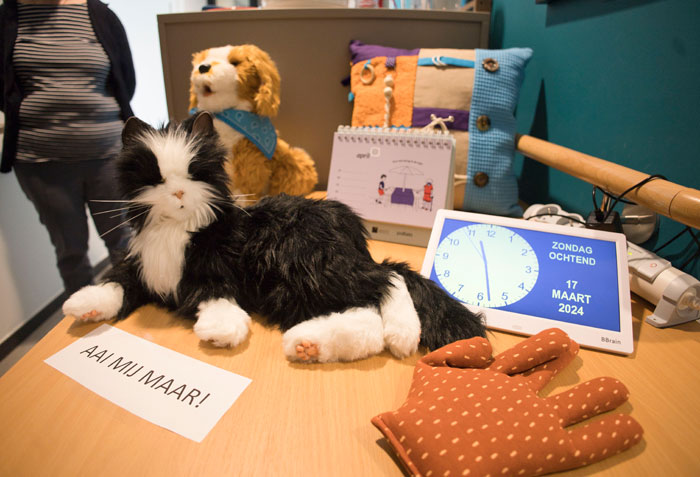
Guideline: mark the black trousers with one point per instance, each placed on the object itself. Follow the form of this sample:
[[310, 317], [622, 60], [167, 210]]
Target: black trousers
[[60, 191]]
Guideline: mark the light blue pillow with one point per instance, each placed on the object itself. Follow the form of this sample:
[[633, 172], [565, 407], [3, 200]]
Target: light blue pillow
[[492, 146]]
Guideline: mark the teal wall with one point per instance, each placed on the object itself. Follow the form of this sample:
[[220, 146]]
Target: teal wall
[[616, 79]]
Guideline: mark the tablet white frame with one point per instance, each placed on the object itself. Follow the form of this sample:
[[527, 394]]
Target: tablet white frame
[[621, 342]]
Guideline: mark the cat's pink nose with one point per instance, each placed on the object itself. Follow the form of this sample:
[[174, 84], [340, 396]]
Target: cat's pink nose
[[179, 194]]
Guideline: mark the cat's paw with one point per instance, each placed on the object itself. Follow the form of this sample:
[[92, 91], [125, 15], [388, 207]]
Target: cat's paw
[[347, 336], [95, 302], [222, 322], [401, 343], [304, 343], [307, 351]]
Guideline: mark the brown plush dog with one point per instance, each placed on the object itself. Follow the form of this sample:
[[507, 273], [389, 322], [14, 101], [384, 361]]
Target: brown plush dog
[[240, 86]]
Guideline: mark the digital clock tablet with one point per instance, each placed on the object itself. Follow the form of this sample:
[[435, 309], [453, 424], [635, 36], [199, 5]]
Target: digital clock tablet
[[529, 276]]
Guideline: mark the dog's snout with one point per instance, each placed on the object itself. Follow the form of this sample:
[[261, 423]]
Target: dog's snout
[[204, 68]]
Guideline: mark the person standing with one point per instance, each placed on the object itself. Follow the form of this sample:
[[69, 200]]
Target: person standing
[[66, 80]]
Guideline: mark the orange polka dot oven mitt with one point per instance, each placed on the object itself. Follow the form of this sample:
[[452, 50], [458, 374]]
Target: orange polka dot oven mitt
[[468, 413]]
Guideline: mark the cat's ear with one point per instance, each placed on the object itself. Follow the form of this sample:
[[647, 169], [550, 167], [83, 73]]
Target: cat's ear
[[203, 124], [134, 128]]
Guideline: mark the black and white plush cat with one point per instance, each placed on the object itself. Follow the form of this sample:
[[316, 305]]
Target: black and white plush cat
[[302, 264]]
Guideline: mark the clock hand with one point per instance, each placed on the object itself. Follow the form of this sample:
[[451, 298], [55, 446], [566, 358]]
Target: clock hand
[[481, 254], [486, 271]]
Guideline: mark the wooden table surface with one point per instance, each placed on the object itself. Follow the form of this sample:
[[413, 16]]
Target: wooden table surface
[[313, 420]]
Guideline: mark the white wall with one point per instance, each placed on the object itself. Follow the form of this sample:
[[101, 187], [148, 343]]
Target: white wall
[[141, 24], [29, 279]]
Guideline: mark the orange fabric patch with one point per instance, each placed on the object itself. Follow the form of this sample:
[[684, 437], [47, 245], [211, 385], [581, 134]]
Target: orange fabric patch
[[368, 108]]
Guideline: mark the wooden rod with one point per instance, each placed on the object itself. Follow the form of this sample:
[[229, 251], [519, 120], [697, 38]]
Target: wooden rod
[[680, 203]]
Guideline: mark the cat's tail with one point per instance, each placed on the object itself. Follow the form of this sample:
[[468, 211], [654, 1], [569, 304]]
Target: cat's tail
[[443, 319]]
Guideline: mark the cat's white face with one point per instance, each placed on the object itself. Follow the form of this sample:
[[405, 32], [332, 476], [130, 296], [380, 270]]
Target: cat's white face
[[177, 197], [174, 184]]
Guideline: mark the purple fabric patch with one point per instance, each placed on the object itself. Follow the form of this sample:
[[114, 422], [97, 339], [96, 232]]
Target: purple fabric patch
[[421, 117], [361, 52], [390, 62]]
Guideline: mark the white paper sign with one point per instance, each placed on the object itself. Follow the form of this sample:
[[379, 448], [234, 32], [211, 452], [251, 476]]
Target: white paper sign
[[164, 387]]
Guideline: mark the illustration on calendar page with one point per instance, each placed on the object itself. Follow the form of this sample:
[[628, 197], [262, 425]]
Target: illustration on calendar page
[[404, 181]]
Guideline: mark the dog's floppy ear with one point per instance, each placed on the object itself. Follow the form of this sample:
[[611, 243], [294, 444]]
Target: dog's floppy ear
[[133, 128], [197, 58], [267, 98], [193, 97]]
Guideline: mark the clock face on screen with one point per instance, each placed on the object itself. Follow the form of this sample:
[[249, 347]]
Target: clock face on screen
[[486, 265]]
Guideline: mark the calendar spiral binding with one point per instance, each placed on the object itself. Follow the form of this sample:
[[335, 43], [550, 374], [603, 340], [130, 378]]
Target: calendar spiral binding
[[428, 138]]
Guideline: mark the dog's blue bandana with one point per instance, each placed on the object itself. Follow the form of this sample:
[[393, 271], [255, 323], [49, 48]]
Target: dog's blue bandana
[[257, 129]]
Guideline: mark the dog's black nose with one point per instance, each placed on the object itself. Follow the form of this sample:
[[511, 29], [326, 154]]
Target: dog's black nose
[[204, 68]]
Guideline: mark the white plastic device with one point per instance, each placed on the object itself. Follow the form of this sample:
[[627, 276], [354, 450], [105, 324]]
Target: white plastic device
[[553, 214], [675, 293], [526, 276]]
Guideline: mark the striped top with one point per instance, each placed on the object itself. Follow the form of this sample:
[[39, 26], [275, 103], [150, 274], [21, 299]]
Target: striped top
[[67, 113]]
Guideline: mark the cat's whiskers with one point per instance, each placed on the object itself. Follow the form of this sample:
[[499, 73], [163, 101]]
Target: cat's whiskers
[[114, 200], [238, 198], [125, 222], [239, 207], [116, 215], [235, 197], [229, 202], [120, 208]]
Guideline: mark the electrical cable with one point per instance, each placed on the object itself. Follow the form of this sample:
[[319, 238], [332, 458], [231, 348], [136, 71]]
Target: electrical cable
[[636, 186], [598, 212], [690, 260], [603, 212], [611, 196], [671, 240], [697, 252], [606, 201], [695, 239]]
